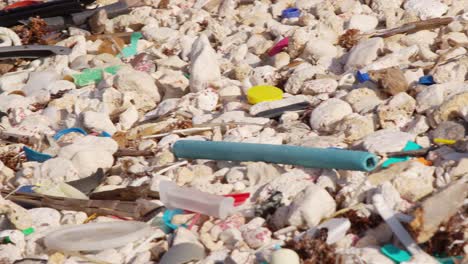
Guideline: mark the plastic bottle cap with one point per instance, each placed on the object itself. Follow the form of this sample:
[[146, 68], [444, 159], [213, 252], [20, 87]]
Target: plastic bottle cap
[[291, 12], [362, 77], [264, 93], [426, 80]]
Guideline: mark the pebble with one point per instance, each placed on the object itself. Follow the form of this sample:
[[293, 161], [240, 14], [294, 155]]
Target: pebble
[[285, 255]]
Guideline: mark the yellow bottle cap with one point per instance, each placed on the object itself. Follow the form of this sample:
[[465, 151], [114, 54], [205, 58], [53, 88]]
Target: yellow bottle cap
[[264, 93]]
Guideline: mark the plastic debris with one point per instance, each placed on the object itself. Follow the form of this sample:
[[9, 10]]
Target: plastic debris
[[264, 93], [410, 146], [362, 76], [444, 141], [63, 132], [168, 215], [91, 76], [131, 49], [32, 155], [183, 253], [291, 13], [174, 196], [96, 236], [426, 80], [278, 47], [395, 253], [282, 154]]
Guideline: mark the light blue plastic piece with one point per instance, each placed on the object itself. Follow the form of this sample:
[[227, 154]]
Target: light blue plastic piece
[[409, 146], [69, 130], [32, 155], [395, 254], [131, 49], [168, 215], [281, 154], [105, 134]]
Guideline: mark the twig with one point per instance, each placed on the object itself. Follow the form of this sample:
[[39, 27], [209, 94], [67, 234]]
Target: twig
[[180, 131], [419, 152], [133, 153], [414, 27]]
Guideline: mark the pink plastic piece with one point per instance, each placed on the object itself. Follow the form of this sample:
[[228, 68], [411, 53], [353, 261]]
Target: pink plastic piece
[[278, 47]]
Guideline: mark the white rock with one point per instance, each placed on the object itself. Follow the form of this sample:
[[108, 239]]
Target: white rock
[[10, 253], [285, 255], [141, 85], [317, 49], [128, 118], [398, 58], [204, 70], [257, 237], [207, 100], [364, 53], [325, 116], [302, 73], [99, 122], [386, 140], [415, 182], [426, 9], [17, 215], [88, 161], [364, 23], [45, 217], [174, 83], [56, 170], [88, 143], [311, 206], [397, 111], [158, 34], [320, 86]]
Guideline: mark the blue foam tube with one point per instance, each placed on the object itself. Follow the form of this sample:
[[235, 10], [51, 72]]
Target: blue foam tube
[[282, 154]]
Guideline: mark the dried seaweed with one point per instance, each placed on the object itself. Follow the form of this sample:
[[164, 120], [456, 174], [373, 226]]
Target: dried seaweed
[[314, 249], [12, 160], [449, 240], [350, 38], [359, 224], [32, 33]]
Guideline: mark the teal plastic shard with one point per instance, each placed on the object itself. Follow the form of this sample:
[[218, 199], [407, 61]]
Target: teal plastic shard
[[131, 49], [92, 76], [395, 254], [409, 146], [281, 154], [449, 260], [32, 155]]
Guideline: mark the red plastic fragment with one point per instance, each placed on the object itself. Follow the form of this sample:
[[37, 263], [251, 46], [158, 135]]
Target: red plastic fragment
[[282, 44], [22, 4], [239, 198]]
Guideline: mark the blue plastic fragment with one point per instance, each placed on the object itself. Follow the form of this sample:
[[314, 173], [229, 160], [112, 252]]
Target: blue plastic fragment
[[395, 253], [362, 76], [426, 80], [168, 215], [105, 134], [291, 13], [32, 155], [409, 146], [448, 260], [69, 130], [26, 189]]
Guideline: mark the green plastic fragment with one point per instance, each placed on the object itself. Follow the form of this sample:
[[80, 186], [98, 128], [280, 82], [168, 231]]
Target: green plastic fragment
[[187, 75], [409, 146], [395, 254], [26, 232], [131, 49], [91, 76]]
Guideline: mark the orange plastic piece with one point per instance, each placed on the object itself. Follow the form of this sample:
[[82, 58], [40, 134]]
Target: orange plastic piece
[[425, 161]]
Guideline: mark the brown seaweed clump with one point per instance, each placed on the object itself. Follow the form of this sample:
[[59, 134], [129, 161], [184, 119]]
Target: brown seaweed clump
[[314, 249], [349, 39], [359, 224]]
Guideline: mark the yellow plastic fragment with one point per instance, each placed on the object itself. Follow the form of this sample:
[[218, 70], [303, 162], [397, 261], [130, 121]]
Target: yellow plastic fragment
[[444, 141], [264, 93]]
